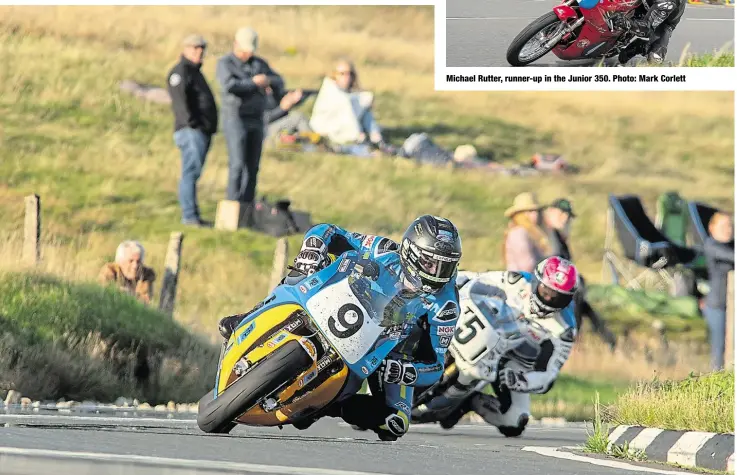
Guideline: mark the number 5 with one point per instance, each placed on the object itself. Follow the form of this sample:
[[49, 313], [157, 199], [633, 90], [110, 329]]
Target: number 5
[[471, 333]]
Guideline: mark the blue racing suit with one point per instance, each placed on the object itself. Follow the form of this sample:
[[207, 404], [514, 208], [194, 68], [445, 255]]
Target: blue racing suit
[[418, 359]]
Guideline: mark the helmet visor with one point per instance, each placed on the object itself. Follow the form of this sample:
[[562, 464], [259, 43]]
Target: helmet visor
[[552, 298], [435, 267]]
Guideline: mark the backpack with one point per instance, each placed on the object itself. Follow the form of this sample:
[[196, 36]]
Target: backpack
[[276, 219]]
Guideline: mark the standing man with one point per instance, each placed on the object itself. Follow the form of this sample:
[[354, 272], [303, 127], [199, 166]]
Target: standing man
[[195, 121], [244, 79], [556, 222]]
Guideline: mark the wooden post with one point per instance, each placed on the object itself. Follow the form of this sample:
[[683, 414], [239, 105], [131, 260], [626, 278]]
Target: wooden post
[[32, 230], [729, 327], [171, 274], [281, 254]]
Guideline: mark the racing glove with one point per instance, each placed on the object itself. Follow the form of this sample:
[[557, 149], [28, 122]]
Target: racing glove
[[514, 380], [397, 372], [312, 257]]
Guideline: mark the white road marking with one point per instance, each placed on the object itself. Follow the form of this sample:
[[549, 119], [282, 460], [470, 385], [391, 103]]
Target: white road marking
[[180, 463], [61, 419], [503, 18], [553, 452]]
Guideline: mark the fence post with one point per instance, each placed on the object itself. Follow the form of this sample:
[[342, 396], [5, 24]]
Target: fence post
[[32, 230], [171, 273], [280, 262], [729, 327]]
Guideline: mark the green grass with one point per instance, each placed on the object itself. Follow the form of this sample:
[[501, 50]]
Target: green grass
[[573, 398], [698, 403], [710, 60], [78, 341]]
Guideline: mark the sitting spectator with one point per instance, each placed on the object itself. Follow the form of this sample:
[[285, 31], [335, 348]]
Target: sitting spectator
[[719, 252], [128, 272], [525, 244], [342, 112], [556, 222], [279, 116]]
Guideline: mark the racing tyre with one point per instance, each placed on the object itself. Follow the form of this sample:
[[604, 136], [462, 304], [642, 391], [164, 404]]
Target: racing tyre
[[216, 416], [545, 23]]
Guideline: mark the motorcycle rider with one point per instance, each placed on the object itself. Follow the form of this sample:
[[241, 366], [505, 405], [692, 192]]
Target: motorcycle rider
[[657, 25], [426, 262], [545, 300]]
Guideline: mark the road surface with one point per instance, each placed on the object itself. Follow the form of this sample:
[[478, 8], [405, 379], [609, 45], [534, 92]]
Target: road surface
[[478, 32], [88, 444]]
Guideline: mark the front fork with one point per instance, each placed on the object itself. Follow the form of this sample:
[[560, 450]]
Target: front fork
[[565, 14]]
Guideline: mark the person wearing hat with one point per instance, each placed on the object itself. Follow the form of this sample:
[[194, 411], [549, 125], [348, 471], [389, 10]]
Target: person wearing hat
[[556, 220], [525, 244], [195, 121], [245, 79]]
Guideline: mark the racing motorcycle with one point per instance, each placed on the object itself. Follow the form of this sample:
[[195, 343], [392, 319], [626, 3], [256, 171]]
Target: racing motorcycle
[[577, 29], [306, 346], [490, 335]]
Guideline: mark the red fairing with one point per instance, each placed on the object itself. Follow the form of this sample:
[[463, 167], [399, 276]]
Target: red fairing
[[594, 37], [564, 13]]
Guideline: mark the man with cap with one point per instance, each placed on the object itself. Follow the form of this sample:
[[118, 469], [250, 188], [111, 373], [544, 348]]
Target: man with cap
[[195, 121], [555, 220], [245, 80]]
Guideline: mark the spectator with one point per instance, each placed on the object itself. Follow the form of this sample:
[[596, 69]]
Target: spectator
[[525, 244], [128, 272], [719, 252], [279, 114], [195, 121], [244, 79], [342, 112], [556, 221]]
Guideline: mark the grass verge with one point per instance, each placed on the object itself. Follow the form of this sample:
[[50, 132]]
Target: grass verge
[[81, 341], [697, 403]]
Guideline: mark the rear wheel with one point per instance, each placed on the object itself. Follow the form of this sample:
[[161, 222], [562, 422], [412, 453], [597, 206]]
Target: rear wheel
[[529, 45], [216, 416]]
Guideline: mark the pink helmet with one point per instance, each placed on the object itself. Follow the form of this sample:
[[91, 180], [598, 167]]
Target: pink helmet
[[553, 286]]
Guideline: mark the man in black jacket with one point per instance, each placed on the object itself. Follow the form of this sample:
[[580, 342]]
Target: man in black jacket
[[244, 80], [555, 220], [195, 121]]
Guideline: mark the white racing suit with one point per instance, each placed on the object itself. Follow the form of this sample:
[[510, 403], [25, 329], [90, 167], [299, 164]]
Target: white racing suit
[[533, 367]]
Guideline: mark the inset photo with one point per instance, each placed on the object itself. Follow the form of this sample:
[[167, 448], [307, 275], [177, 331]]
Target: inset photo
[[501, 33]]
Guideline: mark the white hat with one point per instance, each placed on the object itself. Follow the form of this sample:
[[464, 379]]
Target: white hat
[[247, 39]]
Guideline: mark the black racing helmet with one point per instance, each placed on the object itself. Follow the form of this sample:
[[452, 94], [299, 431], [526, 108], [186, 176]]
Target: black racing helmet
[[429, 253]]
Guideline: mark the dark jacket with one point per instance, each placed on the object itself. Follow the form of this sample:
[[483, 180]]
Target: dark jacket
[[191, 98], [719, 261], [241, 97]]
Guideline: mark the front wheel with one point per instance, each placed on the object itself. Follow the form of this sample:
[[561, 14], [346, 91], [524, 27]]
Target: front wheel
[[216, 415], [529, 45]]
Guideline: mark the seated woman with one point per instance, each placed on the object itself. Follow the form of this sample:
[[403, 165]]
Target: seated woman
[[342, 112], [128, 272]]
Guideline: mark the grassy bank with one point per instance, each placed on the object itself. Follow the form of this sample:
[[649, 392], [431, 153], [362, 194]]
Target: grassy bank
[[704, 403], [81, 341], [573, 398]]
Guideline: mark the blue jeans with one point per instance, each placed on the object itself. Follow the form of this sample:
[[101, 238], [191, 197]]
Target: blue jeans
[[716, 320], [245, 142], [194, 145]]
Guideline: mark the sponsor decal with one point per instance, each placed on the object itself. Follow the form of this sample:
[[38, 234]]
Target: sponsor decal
[[309, 347], [385, 246], [446, 330], [280, 337], [324, 362], [246, 332], [396, 424], [303, 289], [583, 43], [441, 351], [431, 368], [364, 370], [410, 375], [368, 241], [344, 265], [447, 313], [443, 246], [328, 232], [445, 236], [418, 229], [314, 242], [560, 277], [313, 282], [307, 378], [402, 406], [374, 361], [445, 341], [443, 258], [513, 277], [358, 236], [293, 325], [366, 255]]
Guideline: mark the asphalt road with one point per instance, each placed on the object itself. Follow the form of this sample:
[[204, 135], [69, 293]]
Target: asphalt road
[[80, 445], [478, 33]]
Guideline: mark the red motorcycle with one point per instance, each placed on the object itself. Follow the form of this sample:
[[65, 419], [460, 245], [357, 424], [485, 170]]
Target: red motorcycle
[[577, 29]]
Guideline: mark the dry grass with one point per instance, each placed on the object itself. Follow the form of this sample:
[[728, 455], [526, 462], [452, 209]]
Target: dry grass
[[107, 170]]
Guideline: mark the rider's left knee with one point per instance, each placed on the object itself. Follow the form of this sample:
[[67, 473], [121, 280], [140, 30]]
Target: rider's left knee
[[396, 424]]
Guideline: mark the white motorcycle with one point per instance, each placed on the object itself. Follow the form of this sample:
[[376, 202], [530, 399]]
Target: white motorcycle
[[490, 335]]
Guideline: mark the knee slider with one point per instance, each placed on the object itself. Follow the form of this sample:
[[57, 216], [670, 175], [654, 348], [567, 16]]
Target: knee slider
[[397, 424]]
